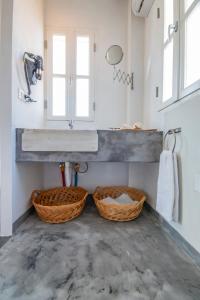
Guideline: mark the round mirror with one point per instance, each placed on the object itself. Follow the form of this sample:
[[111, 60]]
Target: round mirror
[[114, 55]]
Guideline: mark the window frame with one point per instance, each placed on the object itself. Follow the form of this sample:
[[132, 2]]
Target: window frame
[[70, 75], [91, 76], [179, 91], [185, 91], [175, 37]]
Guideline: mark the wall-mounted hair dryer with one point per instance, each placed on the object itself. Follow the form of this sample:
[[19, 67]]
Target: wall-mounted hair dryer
[[33, 67]]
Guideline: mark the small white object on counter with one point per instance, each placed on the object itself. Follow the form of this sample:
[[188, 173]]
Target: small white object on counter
[[135, 126]]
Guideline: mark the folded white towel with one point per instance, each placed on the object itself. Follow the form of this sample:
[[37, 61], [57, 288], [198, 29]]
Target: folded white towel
[[123, 199], [168, 188], [109, 200]]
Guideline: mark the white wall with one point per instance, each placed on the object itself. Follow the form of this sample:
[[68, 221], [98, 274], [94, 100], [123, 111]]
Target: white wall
[[99, 174], [184, 115], [153, 67], [136, 65], [109, 21], [28, 36]]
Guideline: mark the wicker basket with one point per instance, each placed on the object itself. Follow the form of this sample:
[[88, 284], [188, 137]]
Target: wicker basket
[[119, 212], [59, 205]]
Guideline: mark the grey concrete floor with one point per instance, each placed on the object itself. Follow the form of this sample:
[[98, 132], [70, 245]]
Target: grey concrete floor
[[94, 259]]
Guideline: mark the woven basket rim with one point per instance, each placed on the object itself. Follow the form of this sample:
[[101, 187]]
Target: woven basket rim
[[59, 189], [61, 205], [100, 190]]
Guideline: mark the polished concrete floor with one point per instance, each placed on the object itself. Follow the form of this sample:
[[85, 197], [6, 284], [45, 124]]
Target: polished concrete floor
[[94, 259]]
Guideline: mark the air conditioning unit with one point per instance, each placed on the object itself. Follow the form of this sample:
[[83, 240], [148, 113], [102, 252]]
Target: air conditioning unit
[[141, 8]]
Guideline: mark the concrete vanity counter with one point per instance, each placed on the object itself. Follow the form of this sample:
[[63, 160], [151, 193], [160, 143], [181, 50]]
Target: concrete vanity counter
[[113, 146]]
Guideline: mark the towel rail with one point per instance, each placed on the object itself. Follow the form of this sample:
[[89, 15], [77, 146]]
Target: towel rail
[[176, 130], [172, 132]]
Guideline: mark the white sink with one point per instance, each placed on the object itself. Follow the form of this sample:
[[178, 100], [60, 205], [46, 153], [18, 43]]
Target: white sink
[[60, 140]]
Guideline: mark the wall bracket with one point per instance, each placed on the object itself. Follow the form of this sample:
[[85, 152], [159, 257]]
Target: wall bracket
[[125, 78]]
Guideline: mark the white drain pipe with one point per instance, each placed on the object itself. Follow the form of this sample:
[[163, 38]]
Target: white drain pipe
[[68, 171]]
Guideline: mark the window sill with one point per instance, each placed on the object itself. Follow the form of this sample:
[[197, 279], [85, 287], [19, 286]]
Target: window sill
[[179, 101], [51, 119], [64, 124], [67, 120]]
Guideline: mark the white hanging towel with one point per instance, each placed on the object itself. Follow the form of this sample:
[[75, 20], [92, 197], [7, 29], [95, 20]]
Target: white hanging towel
[[175, 216], [168, 187]]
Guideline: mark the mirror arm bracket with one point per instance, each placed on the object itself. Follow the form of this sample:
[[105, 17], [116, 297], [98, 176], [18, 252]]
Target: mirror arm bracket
[[125, 78]]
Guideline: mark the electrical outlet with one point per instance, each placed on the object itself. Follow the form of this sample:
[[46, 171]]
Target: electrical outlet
[[197, 183], [21, 94]]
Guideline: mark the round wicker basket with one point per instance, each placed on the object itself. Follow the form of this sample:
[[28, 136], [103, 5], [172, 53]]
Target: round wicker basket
[[119, 212], [59, 205]]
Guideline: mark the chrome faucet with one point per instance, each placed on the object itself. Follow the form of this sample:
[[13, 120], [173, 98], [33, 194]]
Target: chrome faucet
[[71, 125]]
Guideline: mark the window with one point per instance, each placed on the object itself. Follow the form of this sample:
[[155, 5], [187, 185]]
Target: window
[[190, 46], [181, 59], [70, 75]]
